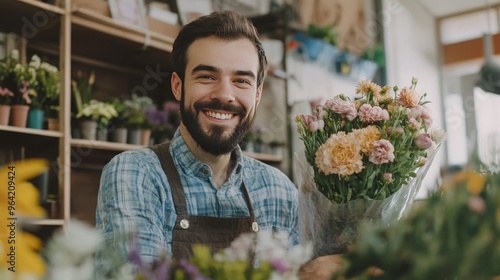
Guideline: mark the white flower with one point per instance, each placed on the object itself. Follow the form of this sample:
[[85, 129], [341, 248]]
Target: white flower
[[439, 135], [70, 252], [126, 272], [35, 61], [14, 54]]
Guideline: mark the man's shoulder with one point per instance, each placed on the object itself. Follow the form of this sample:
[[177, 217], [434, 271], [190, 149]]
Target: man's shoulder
[[259, 170], [136, 157]]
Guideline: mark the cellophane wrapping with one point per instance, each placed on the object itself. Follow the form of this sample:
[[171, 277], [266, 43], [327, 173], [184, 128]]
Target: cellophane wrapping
[[332, 228]]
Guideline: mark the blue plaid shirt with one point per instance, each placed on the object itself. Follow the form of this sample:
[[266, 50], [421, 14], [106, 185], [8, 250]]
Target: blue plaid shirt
[[135, 197]]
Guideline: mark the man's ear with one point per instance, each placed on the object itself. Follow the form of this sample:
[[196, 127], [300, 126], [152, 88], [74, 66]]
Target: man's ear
[[258, 96], [176, 84]]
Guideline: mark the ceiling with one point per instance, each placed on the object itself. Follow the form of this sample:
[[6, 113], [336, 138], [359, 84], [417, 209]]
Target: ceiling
[[442, 8]]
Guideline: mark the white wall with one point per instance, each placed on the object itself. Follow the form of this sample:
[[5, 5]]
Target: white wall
[[412, 51]]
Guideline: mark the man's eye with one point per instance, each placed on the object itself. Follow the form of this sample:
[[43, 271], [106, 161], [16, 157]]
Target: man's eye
[[242, 81], [206, 77]]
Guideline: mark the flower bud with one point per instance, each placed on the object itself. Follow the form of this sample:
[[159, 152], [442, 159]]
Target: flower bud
[[387, 177], [477, 204], [423, 141], [422, 161]]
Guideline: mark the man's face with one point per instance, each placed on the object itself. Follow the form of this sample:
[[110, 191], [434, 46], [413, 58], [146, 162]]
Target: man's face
[[219, 94]]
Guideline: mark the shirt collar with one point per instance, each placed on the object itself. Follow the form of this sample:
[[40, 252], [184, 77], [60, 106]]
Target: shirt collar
[[183, 156]]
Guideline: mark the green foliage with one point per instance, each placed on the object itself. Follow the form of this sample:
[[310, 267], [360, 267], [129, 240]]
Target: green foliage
[[18, 82], [46, 86], [326, 33], [454, 235], [83, 88]]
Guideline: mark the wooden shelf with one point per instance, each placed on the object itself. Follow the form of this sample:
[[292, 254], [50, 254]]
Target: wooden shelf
[[264, 157], [46, 222], [37, 5], [32, 19], [104, 39], [31, 131], [103, 145]]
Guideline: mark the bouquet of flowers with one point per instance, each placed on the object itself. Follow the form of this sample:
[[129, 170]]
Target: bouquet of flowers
[[364, 160]]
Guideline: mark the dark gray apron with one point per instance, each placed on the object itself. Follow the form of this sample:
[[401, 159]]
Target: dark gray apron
[[215, 232]]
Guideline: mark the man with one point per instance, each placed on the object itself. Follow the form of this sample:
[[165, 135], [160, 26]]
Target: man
[[199, 188]]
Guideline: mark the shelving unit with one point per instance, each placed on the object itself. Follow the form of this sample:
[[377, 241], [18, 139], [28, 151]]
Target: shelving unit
[[79, 37]]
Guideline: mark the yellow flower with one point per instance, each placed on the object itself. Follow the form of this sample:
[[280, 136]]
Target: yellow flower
[[367, 86], [340, 154], [19, 248], [366, 137], [475, 182]]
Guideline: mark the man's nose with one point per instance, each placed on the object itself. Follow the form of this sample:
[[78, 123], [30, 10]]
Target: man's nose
[[224, 91]]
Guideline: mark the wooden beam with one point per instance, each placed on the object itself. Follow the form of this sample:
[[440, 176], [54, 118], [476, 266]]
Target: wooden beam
[[468, 50]]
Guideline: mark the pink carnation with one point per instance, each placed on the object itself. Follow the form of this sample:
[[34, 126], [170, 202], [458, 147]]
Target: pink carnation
[[369, 114], [383, 152], [342, 107], [420, 112], [423, 140], [310, 122]]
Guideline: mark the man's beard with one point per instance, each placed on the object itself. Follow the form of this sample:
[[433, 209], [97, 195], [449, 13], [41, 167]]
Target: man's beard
[[212, 142]]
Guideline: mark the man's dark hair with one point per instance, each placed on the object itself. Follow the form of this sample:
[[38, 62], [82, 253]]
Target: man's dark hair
[[227, 25]]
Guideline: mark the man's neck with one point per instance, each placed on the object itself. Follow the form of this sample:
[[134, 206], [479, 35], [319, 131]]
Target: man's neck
[[221, 165]]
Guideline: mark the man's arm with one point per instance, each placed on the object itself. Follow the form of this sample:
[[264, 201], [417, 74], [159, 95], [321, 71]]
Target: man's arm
[[130, 206]]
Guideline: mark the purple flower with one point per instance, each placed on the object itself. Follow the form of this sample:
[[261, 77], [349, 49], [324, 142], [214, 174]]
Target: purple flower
[[279, 265]]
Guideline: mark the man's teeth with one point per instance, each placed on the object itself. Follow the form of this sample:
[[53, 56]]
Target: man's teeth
[[220, 116]]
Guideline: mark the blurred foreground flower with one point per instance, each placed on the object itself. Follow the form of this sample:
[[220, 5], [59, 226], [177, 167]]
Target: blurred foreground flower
[[455, 235], [18, 200]]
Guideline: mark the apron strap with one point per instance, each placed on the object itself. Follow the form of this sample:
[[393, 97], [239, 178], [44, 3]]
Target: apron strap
[[167, 163]]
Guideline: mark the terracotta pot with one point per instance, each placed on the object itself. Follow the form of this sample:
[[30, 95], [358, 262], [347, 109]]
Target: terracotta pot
[[4, 114], [53, 124], [19, 115], [145, 137]]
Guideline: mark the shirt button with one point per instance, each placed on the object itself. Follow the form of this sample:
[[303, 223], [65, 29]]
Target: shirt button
[[184, 224], [205, 171], [255, 226]]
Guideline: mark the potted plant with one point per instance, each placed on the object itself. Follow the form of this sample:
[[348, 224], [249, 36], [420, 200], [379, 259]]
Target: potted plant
[[137, 121], [118, 125], [18, 83], [276, 147], [83, 89], [95, 116], [5, 94], [47, 88]]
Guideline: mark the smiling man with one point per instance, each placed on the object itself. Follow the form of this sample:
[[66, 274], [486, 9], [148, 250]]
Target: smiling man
[[199, 187]]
